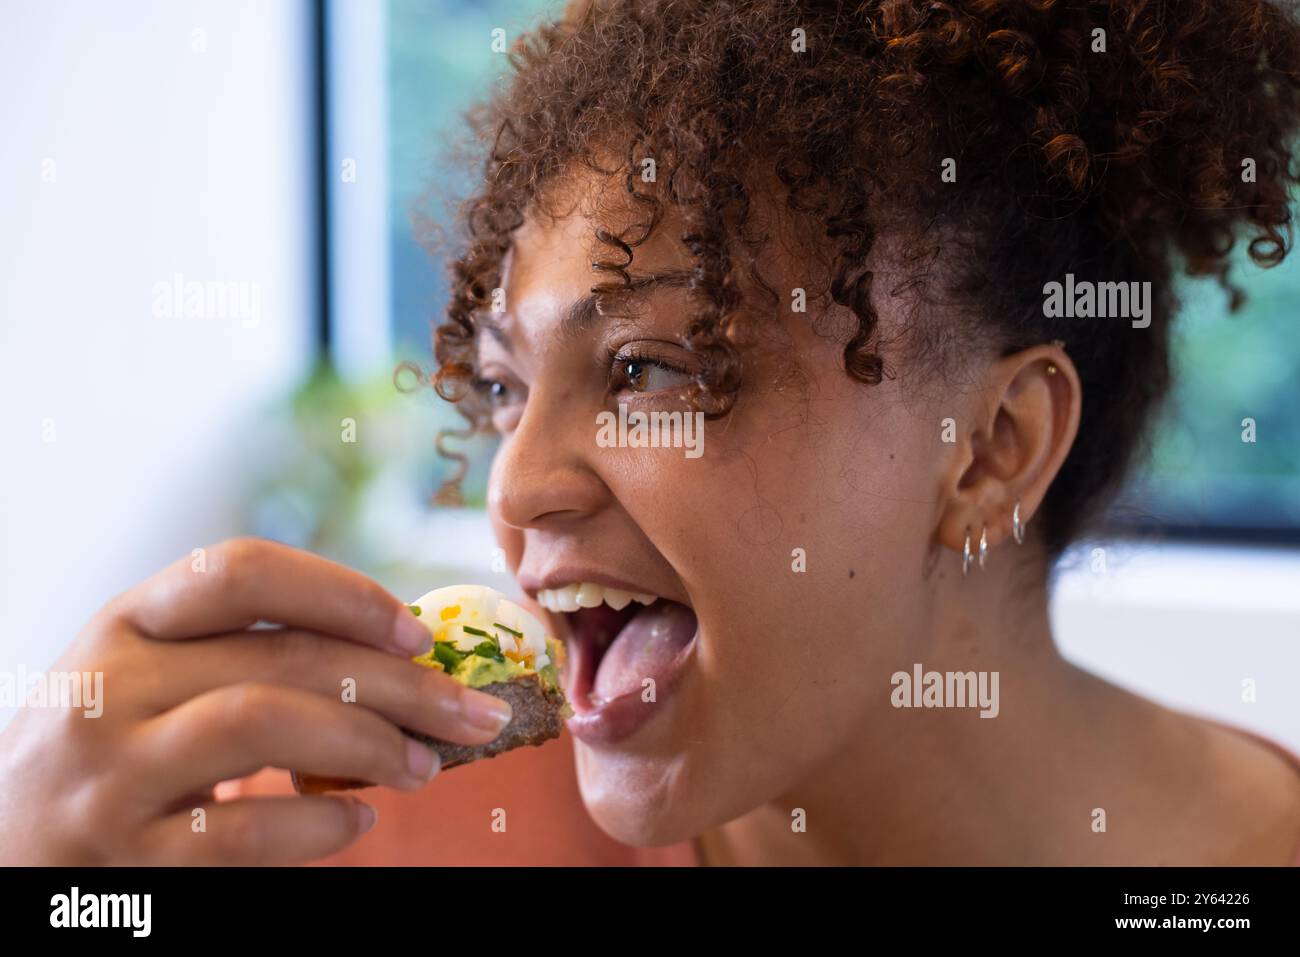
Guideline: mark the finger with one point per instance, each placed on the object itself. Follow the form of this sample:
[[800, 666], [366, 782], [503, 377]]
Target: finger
[[407, 694], [245, 580], [256, 831], [238, 730]]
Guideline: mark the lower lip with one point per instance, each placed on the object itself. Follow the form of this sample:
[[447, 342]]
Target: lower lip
[[618, 718]]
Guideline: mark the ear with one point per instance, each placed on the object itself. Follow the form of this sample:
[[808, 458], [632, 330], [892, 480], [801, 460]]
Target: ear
[[1019, 427]]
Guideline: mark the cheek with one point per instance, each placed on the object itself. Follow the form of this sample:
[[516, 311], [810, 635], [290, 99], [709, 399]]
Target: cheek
[[765, 532], [791, 512], [508, 538]]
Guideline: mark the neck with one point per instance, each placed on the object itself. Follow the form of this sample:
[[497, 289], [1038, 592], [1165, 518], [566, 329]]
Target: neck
[[938, 784]]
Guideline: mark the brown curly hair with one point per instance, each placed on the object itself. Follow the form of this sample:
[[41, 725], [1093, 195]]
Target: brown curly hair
[[1104, 138]]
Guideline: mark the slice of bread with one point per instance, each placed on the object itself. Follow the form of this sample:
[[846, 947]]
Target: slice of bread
[[538, 715]]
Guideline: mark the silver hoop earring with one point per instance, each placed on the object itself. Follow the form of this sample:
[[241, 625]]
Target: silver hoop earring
[[1017, 530], [984, 545], [965, 555]]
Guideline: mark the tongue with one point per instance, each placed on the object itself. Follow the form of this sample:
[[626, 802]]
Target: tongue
[[645, 647]]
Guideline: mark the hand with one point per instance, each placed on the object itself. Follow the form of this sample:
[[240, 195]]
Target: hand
[[194, 695]]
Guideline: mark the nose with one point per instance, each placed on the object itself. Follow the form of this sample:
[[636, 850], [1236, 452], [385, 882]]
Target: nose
[[542, 475]]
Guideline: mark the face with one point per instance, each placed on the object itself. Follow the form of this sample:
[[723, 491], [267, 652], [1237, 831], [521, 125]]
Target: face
[[783, 563]]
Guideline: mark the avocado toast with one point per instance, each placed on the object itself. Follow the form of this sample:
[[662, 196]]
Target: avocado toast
[[486, 642]]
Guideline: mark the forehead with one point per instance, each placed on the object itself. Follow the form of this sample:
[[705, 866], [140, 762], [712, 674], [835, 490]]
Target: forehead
[[560, 238], [548, 258], [548, 268], [547, 275]]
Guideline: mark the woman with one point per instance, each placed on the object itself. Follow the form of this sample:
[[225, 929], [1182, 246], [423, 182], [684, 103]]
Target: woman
[[830, 233]]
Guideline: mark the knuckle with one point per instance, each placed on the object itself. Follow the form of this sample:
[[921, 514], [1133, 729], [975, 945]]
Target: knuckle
[[383, 608], [372, 743], [294, 652], [449, 693], [434, 695], [110, 615], [239, 835], [110, 629], [439, 698], [343, 821], [91, 816], [71, 730], [248, 711], [417, 684], [395, 748], [376, 744], [237, 561]]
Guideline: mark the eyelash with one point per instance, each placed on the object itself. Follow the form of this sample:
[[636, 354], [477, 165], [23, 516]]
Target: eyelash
[[616, 364], [618, 360], [484, 384]]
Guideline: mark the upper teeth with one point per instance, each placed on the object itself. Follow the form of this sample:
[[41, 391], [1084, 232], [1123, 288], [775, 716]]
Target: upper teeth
[[588, 595]]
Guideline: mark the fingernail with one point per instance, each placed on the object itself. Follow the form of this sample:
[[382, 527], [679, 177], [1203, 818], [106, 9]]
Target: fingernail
[[366, 816], [486, 711], [421, 760], [411, 634]]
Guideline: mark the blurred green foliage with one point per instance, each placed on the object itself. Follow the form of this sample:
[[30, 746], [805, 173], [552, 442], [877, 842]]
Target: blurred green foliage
[[1228, 368], [348, 466]]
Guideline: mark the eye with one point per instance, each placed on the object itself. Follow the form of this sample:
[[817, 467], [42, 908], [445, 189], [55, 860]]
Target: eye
[[636, 373], [494, 391], [502, 396]]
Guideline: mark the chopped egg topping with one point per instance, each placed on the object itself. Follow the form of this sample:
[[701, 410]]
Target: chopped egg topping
[[466, 616]]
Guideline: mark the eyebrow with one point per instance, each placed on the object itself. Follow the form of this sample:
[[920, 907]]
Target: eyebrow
[[581, 314]]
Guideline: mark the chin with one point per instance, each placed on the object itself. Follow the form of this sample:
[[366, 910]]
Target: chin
[[638, 800]]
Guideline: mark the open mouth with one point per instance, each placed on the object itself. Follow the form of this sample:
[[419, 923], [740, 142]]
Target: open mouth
[[618, 640]]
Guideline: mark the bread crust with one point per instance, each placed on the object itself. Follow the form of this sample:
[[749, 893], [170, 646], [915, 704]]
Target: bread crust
[[537, 717]]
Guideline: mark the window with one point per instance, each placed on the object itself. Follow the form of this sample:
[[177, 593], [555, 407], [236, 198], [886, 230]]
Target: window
[[428, 61], [1206, 477]]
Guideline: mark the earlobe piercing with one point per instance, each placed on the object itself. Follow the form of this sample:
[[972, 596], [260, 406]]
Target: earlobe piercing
[[1017, 530], [965, 554], [984, 545]]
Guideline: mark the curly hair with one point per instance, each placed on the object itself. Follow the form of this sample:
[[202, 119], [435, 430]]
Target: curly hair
[[1103, 138]]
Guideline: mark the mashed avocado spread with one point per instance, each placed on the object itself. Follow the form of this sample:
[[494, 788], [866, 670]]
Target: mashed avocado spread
[[487, 663]]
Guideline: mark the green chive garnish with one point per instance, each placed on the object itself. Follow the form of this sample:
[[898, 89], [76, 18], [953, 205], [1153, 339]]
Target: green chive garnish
[[491, 648], [415, 610], [517, 634], [447, 655]]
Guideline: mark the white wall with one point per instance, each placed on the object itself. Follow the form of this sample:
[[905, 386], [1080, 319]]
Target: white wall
[[1188, 625], [174, 151], [360, 290]]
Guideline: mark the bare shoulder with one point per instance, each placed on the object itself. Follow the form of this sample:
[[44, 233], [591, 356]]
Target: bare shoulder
[[1248, 801], [1185, 790]]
